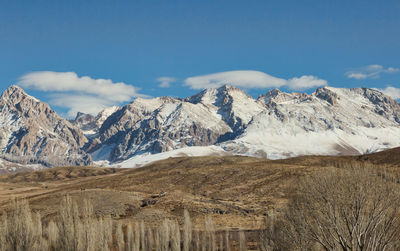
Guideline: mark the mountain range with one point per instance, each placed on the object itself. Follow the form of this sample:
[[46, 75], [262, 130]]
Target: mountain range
[[223, 121]]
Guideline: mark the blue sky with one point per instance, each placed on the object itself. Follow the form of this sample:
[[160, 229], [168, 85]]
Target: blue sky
[[134, 43]]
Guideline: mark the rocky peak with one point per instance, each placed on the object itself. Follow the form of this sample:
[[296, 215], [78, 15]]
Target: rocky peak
[[213, 96], [228, 88], [206, 96], [13, 91], [276, 96], [273, 93], [104, 114], [326, 94], [33, 133], [15, 99], [270, 95], [82, 116], [15, 94]]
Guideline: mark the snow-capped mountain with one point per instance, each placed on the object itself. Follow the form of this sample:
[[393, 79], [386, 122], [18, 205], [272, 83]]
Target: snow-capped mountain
[[164, 124], [330, 121], [31, 132], [225, 120]]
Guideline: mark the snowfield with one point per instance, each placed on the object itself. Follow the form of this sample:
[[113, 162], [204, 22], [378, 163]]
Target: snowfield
[[144, 159]]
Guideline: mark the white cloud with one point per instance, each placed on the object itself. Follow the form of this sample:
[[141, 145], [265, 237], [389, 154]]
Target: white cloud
[[246, 79], [370, 71], [165, 82], [305, 82], [75, 93], [251, 79], [391, 91], [80, 103]]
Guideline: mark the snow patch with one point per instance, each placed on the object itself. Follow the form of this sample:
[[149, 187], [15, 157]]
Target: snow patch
[[144, 159]]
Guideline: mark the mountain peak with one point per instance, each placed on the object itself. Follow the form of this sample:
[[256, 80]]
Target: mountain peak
[[15, 88], [15, 94], [273, 93], [227, 87], [33, 133], [210, 95]]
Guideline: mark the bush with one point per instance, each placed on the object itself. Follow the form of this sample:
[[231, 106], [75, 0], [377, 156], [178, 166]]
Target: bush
[[345, 209]]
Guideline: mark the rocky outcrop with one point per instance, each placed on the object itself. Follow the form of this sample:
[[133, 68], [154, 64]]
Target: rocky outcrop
[[384, 105], [89, 124], [34, 133], [85, 122], [327, 95]]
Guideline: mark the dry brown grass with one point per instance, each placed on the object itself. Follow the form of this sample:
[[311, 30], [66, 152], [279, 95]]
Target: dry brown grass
[[235, 192]]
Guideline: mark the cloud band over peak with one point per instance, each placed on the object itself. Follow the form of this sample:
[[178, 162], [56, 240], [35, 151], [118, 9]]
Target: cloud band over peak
[[252, 79]]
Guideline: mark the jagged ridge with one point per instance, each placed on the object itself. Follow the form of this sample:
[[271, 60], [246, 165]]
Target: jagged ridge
[[330, 121]]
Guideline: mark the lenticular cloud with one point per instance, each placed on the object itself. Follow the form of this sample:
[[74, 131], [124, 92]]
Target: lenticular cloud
[[87, 94], [252, 79]]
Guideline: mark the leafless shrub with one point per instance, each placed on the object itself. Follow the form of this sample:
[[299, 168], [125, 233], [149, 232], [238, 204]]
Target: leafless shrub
[[350, 208]]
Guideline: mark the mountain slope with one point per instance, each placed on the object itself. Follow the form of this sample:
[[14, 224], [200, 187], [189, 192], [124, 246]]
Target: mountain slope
[[33, 133], [330, 121], [164, 124]]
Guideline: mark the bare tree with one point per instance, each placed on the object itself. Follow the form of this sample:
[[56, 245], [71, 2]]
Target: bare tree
[[344, 209], [187, 231]]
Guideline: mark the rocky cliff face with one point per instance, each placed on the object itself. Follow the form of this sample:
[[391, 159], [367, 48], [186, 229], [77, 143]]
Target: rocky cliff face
[[31, 132]]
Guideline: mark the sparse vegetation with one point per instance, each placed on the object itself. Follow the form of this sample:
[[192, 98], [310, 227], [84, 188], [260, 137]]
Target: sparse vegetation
[[203, 204], [76, 227]]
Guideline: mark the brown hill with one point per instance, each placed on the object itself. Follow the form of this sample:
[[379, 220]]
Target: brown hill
[[236, 191]]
